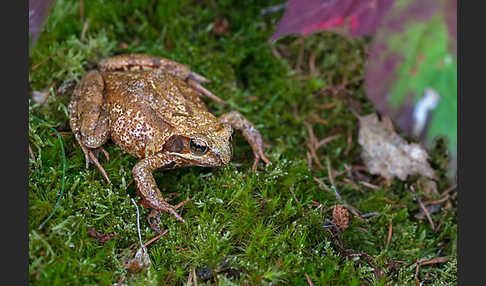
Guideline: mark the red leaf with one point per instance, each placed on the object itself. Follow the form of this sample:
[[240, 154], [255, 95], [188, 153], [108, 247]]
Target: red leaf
[[354, 18]]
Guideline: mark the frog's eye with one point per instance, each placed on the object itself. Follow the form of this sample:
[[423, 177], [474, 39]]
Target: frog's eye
[[198, 147]]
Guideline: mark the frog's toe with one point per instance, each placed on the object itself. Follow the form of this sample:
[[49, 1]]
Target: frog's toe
[[197, 77], [202, 91], [259, 156], [91, 156], [168, 208]]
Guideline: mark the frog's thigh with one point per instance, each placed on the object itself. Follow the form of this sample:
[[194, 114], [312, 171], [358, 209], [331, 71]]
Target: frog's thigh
[[142, 61], [251, 134], [88, 119]]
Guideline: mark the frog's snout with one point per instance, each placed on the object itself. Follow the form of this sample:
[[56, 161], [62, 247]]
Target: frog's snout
[[225, 154]]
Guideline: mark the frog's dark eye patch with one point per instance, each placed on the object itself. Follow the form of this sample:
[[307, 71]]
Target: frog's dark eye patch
[[175, 144], [198, 147]]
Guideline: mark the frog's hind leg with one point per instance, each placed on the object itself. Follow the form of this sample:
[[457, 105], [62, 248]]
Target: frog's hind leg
[[89, 122], [251, 134], [142, 61], [147, 188]]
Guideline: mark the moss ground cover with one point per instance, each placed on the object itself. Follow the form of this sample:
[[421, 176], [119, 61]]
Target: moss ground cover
[[254, 229]]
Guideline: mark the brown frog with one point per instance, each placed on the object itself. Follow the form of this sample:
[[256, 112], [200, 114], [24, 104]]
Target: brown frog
[[151, 107]]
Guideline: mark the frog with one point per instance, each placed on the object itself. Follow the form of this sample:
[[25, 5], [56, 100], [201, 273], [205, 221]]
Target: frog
[[152, 108]]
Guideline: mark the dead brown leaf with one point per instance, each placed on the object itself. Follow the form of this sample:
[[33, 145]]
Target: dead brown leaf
[[340, 217], [387, 154], [220, 26]]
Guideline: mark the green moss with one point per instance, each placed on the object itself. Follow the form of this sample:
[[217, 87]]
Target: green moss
[[264, 225]]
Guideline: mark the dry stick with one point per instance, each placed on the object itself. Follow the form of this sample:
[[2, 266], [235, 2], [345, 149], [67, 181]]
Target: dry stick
[[390, 232], [194, 277], [327, 188], [31, 154], [308, 279], [312, 63], [46, 59], [348, 143], [275, 52], [309, 160], [81, 10], [327, 140], [85, 28], [439, 201], [300, 57], [121, 280], [369, 185], [424, 209], [311, 145], [330, 172], [325, 106], [169, 275], [449, 189], [189, 277], [155, 238]]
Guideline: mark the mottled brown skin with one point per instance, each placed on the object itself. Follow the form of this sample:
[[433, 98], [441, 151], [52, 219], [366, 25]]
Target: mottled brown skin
[[151, 108]]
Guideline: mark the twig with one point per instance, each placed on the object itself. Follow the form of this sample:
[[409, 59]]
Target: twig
[[121, 280], [31, 154], [155, 238], [327, 140], [327, 188], [46, 59], [390, 232], [194, 277], [367, 215], [424, 209], [81, 10], [295, 197], [325, 106], [181, 248], [308, 279], [85, 28], [369, 185], [189, 277], [424, 261], [348, 143], [300, 57], [275, 52], [314, 156], [312, 63], [330, 172], [169, 275]]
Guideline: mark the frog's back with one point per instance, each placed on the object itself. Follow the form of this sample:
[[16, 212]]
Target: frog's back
[[149, 106]]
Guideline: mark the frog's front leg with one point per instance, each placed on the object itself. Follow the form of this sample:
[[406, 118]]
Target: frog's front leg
[[87, 118], [142, 61], [147, 188], [251, 134]]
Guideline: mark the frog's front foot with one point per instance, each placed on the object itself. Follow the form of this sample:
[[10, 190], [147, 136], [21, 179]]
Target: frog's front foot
[[91, 156], [154, 217], [251, 134]]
